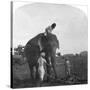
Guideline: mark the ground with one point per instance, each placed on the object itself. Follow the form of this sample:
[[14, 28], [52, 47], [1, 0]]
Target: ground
[[21, 73]]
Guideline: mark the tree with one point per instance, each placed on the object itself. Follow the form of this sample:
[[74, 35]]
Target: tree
[[19, 50]]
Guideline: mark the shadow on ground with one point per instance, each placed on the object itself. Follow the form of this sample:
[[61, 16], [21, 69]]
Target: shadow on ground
[[28, 83]]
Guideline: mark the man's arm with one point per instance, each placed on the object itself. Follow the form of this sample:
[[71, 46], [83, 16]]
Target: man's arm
[[39, 43]]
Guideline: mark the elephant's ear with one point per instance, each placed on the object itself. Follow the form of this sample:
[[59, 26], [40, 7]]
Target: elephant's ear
[[57, 42]]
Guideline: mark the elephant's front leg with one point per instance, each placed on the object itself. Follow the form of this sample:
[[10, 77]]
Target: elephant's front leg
[[48, 66], [54, 66]]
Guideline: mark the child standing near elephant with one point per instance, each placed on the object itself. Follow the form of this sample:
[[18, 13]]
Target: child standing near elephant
[[41, 65]]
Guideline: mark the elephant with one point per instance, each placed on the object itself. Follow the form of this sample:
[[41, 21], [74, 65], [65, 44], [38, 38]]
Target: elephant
[[49, 44]]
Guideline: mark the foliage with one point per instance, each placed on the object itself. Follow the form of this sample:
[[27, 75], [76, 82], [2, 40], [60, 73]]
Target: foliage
[[19, 50]]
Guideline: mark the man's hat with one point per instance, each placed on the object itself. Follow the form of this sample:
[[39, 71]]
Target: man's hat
[[53, 25]]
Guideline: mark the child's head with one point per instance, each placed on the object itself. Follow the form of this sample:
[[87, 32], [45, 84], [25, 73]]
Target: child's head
[[42, 54]]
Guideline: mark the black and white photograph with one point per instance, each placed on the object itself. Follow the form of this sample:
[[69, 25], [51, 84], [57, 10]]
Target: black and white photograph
[[49, 44]]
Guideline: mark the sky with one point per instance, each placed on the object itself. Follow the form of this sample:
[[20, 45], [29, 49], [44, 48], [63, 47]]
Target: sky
[[71, 30]]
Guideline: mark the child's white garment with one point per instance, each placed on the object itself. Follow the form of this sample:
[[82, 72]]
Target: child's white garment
[[41, 69]]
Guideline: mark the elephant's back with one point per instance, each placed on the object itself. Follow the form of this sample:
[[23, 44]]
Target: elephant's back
[[34, 41], [32, 48]]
